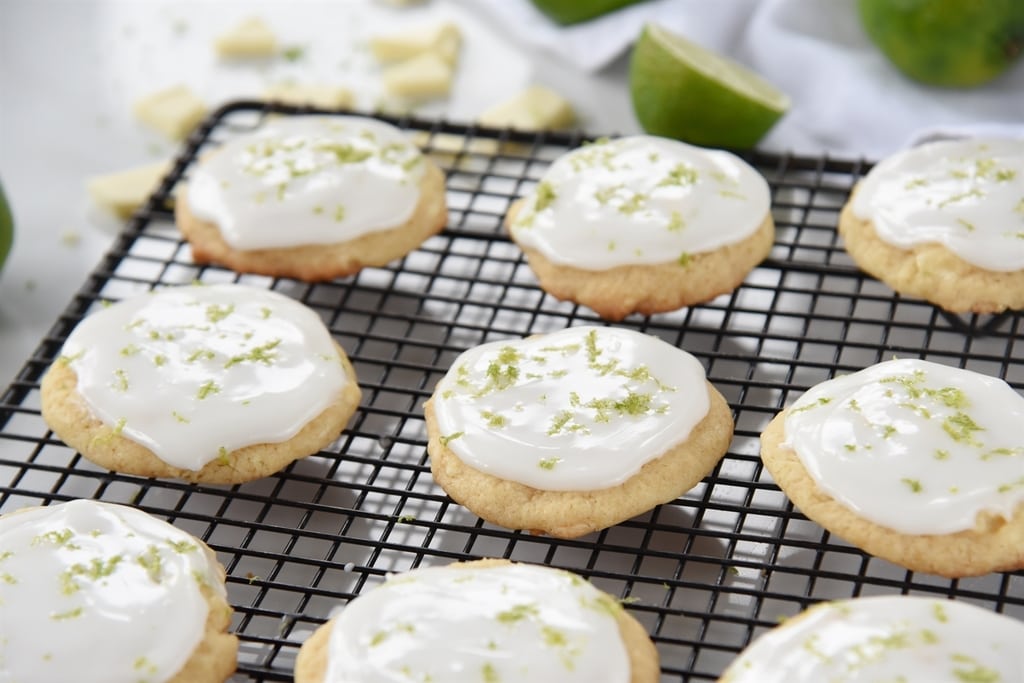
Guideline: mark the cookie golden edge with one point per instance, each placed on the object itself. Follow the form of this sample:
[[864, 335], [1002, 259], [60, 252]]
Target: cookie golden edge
[[929, 271], [994, 545], [322, 262], [70, 417], [644, 664], [215, 657], [617, 292], [571, 514]]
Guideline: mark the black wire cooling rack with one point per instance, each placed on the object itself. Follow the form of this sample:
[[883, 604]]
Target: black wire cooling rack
[[704, 574]]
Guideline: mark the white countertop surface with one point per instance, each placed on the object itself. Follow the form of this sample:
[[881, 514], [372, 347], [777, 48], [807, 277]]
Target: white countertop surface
[[70, 71]]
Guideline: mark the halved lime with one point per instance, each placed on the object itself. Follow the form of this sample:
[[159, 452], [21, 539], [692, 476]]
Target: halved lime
[[684, 91]]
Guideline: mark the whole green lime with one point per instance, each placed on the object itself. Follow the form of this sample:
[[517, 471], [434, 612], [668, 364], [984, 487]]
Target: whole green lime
[[6, 227], [567, 12], [951, 43]]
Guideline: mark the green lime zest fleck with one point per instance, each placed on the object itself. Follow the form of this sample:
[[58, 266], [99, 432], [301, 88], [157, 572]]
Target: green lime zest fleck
[[447, 439], [489, 673], [939, 612], [1003, 452], [961, 428], [685, 259], [977, 673], [545, 196], [207, 389], [182, 547], [345, 153], [633, 204], [913, 484], [8, 579], [966, 224], [66, 359], [824, 400], [494, 420], [159, 360], [151, 561], [70, 614], [548, 463], [518, 613], [257, 354], [129, 350], [215, 313], [121, 383], [200, 354], [681, 174], [959, 197], [675, 222], [293, 53], [339, 213], [58, 538], [378, 638], [559, 422], [179, 417], [916, 182], [604, 195]]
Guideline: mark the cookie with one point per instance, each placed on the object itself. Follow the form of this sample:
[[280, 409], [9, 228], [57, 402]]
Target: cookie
[[488, 620], [105, 593], [216, 384], [944, 222], [885, 638], [912, 461], [574, 431], [312, 198], [643, 225]]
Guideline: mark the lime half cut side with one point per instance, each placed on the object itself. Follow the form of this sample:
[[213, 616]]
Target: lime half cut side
[[684, 91]]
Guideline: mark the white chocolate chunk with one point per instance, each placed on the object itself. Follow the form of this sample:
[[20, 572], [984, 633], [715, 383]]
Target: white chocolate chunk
[[251, 38], [315, 94], [420, 78], [174, 111], [536, 108], [443, 39], [122, 192]]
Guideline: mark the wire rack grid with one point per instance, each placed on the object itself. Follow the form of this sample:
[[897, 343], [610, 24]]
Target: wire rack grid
[[704, 574]]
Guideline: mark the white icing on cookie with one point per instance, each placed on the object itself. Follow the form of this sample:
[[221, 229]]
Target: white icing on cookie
[[308, 180], [967, 195], [507, 624], [580, 409], [891, 638], [99, 593], [640, 200], [914, 446], [195, 372]]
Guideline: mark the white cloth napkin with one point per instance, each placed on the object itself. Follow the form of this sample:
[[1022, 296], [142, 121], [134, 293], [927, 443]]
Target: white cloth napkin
[[847, 98]]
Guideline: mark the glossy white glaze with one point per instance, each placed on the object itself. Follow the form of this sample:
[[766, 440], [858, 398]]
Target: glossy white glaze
[[303, 180], [967, 195], [99, 593], [915, 446], [580, 409], [507, 624], [640, 200], [890, 639], [195, 372]]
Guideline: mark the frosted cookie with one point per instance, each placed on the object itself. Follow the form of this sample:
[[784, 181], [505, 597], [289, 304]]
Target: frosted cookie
[[217, 384], [574, 431], [474, 622], [102, 593], [643, 224], [312, 198], [918, 463], [944, 222], [891, 638]]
